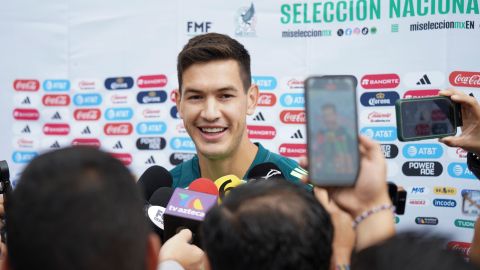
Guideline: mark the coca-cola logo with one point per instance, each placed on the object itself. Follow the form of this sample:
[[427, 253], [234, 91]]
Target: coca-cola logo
[[87, 114], [462, 153], [293, 117], [421, 93], [26, 114], [266, 100], [118, 129], [26, 85], [292, 150], [465, 79], [86, 142], [460, 247], [125, 158], [376, 81], [261, 132], [152, 81], [56, 129], [56, 100]]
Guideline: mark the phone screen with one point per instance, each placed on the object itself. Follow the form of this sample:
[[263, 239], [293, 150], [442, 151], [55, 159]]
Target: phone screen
[[332, 130], [427, 117]]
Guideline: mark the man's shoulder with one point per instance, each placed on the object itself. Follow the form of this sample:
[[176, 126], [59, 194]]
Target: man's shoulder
[[184, 173], [289, 167]]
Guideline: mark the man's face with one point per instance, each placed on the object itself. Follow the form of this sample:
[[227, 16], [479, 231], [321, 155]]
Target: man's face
[[214, 106], [329, 118]]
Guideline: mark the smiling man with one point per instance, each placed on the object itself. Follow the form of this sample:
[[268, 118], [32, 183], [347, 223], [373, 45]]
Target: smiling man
[[214, 98]]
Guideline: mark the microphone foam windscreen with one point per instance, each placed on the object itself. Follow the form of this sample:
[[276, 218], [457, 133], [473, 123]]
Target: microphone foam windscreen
[[265, 171], [204, 185], [161, 196], [225, 184], [154, 178]]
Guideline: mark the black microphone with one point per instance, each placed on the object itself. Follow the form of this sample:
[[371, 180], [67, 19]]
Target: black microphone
[[264, 171], [156, 207], [152, 179]]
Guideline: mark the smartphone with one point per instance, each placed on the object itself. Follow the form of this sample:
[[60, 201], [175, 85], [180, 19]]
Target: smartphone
[[332, 133], [427, 118]]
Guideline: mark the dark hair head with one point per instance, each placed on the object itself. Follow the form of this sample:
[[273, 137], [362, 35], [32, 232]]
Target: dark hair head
[[211, 47], [409, 251], [270, 224], [76, 208], [330, 106]]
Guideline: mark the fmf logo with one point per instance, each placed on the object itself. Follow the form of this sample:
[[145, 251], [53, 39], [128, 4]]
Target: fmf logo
[[151, 128], [56, 85], [381, 134], [371, 99], [296, 100], [177, 158], [421, 93], [261, 132], [56, 100], [182, 143], [86, 142], [26, 114], [265, 82], [445, 191], [118, 114], [266, 100], [83, 100], [149, 97], [174, 113], [87, 114], [120, 129], [26, 85], [465, 79], [151, 143], [194, 28], [389, 150], [444, 203], [426, 220], [119, 83], [424, 151], [460, 170], [152, 81], [380, 81], [293, 117], [23, 157], [292, 150], [125, 158], [422, 168], [56, 129], [418, 190]]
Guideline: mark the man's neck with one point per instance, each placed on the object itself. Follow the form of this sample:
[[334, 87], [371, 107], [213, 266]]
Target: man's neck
[[237, 164]]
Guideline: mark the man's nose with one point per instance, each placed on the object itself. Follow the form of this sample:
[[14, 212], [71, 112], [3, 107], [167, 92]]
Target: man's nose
[[211, 110]]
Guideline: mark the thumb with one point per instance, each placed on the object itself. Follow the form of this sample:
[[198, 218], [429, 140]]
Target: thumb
[[184, 235], [452, 141]]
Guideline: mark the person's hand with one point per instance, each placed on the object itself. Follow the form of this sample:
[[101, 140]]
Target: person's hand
[[179, 249], [475, 248], [470, 137]]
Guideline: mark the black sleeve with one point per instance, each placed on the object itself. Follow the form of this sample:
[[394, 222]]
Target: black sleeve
[[473, 163]]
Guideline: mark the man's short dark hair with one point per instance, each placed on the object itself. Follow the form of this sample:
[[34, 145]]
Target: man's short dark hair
[[211, 47], [76, 208], [270, 224], [329, 106]]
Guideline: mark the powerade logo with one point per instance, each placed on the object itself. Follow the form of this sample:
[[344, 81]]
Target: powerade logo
[[426, 151], [116, 114], [460, 170], [444, 203], [151, 143], [426, 220], [149, 97], [83, 100], [119, 83], [265, 82], [382, 134], [151, 128], [23, 157], [422, 168], [56, 85], [174, 113], [389, 150], [371, 99], [177, 158], [296, 100], [182, 143]]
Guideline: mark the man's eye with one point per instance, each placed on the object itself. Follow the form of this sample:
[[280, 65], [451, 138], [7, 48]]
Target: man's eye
[[226, 96], [194, 97]]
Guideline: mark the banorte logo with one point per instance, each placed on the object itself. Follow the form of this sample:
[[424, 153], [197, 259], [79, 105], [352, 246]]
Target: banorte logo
[[380, 81], [87, 114], [152, 81], [27, 85], [86, 142], [125, 158], [460, 247], [266, 100], [292, 150], [56, 100], [119, 129], [56, 129], [465, 79], [293, 117], [261, 132], [26, 114]]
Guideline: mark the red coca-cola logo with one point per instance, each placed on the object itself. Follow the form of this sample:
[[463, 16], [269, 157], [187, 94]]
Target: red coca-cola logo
[[87, 114], [26, 114], [86, 142], [26, 85], [261, 132], [292, 150], [266, 100], [56, 100], [421, 93], [56, 129], [118, 129], [465, 79], [460, 247], [376, 81], [462, 153], [438, 115], [125, 158], [152, 81], [292, 117]]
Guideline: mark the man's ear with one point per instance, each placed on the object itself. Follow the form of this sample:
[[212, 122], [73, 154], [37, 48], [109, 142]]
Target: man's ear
[[153, 251], [178, 97], [252, 98]]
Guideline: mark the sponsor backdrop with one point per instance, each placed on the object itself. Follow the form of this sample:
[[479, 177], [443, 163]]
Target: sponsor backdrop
[[102, 74]]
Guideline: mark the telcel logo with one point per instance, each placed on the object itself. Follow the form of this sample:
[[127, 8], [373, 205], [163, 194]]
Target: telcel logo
[[295, 100], [56, 85], [152, 81], [182, 143], [261, 132], [460, 170], [265, 82], [422, 151], [371, 99], [377, 81], [118, 114], [151, 128], [444, 203], [119, 83], [445, 190], [23, 157], [381, 134], [422, 168], [83, 100], [149, 97]]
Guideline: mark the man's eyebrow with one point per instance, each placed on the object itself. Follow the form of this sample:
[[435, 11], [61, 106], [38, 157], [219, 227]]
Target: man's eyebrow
[[196, 91]]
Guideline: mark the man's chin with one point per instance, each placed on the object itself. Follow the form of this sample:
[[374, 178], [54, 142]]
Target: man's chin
[[213, 154]]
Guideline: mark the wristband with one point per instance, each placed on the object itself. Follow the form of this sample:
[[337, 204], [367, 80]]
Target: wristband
[[372, 211], [342, 267]]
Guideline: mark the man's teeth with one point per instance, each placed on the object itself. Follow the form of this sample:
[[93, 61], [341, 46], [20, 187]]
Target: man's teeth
[[212, 130]]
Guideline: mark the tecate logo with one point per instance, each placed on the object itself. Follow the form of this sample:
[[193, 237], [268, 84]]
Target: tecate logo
[[293, 117], [266, 100], [87, 114], [379, 117], [377, 81], [265, 82], [182, 143], [26, 114], [422, 168], [444, 203], [21, 142], [56, 85], [119, 83], [421, 93], [389, 150], [151, 143], [460, 247], [381, 134], [149, 97], [56, 100], [112, 129], [26, 85], [87, 84], [152, 81], [125, 158], [177, 158], [465, 79], [296, 100], [424, 151], [150, 113], [118, 114], [56, 129], [23, 157], [151, 128], [426, 220], [116, 99], [86, 142], [460, 170], [261, 132], [295, 84], [174, 113], [83, 100], [292, 150], [371, 99]]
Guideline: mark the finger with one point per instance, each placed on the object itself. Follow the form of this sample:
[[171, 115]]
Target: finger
[[447, 92], [452, 141], [322, 196], [303, 162], [372, 149], [304, 179], [465, 100], [184, 235]]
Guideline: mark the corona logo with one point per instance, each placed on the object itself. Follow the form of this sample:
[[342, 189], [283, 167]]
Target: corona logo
[[380, 95]]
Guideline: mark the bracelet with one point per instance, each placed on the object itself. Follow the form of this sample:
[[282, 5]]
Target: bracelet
[[342, 267], [372, 211]]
